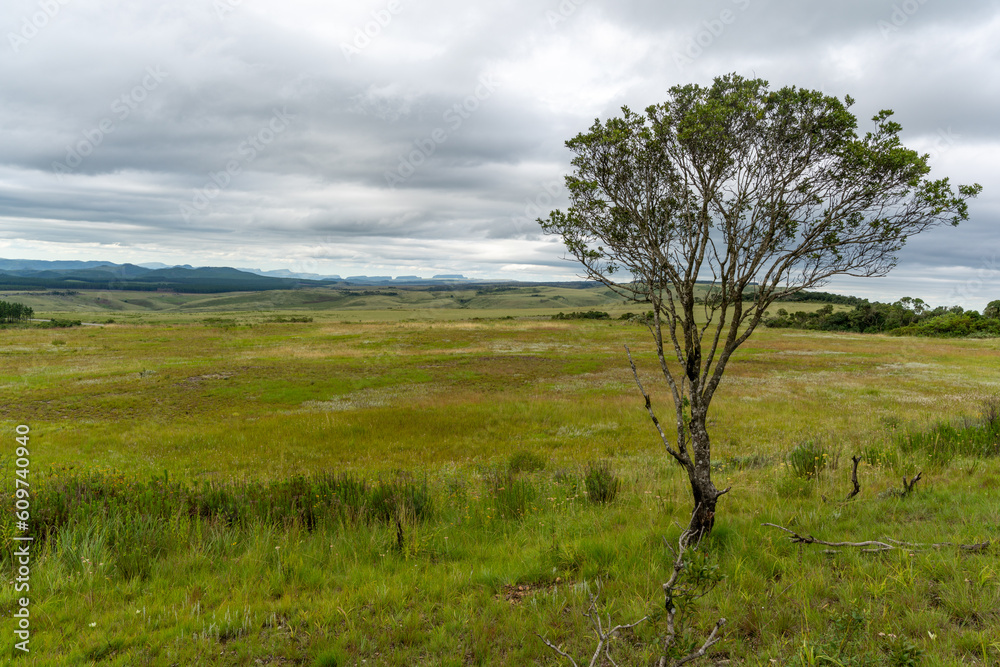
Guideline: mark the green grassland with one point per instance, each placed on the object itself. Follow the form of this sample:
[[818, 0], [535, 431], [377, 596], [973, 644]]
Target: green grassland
[[337, 303], [403, 480]]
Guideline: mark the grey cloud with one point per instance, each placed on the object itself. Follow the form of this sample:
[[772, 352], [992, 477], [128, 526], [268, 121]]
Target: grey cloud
[[317, 191]]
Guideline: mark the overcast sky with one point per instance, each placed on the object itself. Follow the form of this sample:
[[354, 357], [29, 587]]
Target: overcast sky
[[416, 137]]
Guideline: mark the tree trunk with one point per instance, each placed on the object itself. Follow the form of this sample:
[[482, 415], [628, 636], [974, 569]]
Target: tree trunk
[[700, 475]]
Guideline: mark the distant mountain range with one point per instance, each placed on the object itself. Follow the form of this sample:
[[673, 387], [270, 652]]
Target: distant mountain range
[[27, 274]]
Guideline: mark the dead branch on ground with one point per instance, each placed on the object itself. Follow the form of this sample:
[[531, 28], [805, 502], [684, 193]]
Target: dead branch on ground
[[875, 546]]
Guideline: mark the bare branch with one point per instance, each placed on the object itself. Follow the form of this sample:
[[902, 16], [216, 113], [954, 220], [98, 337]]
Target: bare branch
[[854, 477], [603, 638], [877, 545], [557, 650], [908, 486], [683, 460], [712, 640]]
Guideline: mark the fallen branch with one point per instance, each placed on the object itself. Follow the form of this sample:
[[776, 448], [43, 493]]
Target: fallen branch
[[876, 545], [854, 478]]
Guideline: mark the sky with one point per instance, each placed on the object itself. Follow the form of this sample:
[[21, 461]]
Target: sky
[[421, 137]]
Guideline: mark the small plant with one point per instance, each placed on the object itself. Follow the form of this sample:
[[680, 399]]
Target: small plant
[[793, 486], [808, 459], [331, 658], [904, 653], [525, 461], [602, 482], [512, 495], [753, 461], [568, 479], [990, 413]]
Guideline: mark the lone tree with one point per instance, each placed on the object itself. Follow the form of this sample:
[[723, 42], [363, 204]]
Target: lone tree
[[720, 201]]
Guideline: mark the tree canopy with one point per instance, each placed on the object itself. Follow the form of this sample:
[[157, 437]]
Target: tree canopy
[[762, 193], [15, 312]]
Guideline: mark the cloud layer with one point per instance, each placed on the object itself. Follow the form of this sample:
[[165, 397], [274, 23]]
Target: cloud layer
[[393, 137]]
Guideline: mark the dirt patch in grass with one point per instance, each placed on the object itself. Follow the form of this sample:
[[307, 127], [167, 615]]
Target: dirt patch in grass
[[518, 593]]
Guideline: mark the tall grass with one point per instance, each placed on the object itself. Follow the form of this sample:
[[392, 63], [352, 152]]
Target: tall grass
[[966, 437]]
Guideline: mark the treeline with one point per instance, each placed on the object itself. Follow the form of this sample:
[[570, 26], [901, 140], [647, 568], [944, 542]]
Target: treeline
[[586, 315], [14, 312], [906, 317], [750, 295], [822, 297]]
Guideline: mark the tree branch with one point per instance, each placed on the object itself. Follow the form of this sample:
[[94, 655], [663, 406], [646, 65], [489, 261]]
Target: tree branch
[[683, 460], [603, 637], [854, 478], [888, 545]]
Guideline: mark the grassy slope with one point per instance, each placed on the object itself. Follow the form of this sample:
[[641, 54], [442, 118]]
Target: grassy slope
[[356, 304], [446, 398]]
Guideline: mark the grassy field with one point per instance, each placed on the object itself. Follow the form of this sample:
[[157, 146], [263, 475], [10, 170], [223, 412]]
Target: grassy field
[[355, 304], [409, 486]]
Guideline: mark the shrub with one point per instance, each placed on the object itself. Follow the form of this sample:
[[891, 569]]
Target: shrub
[[808, 459], [602, 482], [524, 461], [399, 498], [586, 315], [512, 496], [943, 441], [59, 324]]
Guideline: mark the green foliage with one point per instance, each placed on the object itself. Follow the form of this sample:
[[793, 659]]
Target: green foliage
[[435, 398], [57, 323], [330, 658], [601, 481], [512, 495], [945, 440], [11, 312], [992, 310], [808, 459], [904, 653], [526, 461], [906, 317], [307, 501], [793, 486], [278, 319], [587, 315]]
